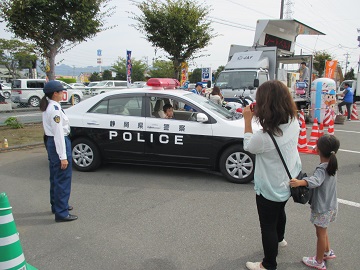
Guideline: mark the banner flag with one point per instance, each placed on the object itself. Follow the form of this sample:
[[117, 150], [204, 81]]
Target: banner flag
[[184, 74], [330, 67], [128, 68]]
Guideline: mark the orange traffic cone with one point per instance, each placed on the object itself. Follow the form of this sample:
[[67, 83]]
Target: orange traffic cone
[[354, 114], [301, 117], [321, 129], [327, 117], [331, 130], [302, 143], [314, 134]]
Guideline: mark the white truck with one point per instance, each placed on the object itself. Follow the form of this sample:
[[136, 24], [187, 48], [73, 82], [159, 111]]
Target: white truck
[[271, 57], [354, 84]]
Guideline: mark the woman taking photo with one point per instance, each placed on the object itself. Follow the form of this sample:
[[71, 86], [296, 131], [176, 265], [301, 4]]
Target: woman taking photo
[[275, 110], [58, 145]]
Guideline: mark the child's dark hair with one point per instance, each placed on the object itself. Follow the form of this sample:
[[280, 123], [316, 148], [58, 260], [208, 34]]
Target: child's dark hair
[[166, 107], [328, 145]]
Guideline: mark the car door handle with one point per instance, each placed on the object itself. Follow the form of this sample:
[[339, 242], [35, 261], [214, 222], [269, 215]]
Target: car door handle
[[154, 127], [93, 123]]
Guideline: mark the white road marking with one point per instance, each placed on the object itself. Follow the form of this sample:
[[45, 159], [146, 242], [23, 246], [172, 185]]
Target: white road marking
[[349, 131], [349, 151], [349, 203]]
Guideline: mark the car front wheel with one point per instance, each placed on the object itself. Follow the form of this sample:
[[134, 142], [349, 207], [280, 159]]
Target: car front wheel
[[237, 165], [85, 155], [76, 99]]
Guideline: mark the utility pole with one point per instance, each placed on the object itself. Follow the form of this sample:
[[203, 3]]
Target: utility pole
[[282, 9], [359, 46], [346, 62]]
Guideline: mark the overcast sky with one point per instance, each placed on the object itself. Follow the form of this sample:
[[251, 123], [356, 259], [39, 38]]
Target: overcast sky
[[234, 21]]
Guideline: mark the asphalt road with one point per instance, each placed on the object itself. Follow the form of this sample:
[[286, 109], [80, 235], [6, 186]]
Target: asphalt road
[[135, 217]]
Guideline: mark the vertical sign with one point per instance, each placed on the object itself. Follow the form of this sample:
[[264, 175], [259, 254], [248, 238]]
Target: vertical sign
[[206, 74], [330, 67], [184, 74], [128, 68], [98, 60]]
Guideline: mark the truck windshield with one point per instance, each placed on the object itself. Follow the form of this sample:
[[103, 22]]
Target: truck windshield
[[236, 79]]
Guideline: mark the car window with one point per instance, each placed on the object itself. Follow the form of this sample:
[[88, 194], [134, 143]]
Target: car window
[[35, 84], [121, 84], [131, 106], [182, 109]]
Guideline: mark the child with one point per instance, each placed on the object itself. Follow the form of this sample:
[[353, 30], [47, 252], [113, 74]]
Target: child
[[169, 111], [324, 204]]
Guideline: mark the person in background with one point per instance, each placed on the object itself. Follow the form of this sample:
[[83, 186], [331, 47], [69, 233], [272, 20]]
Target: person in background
[[2, 97], [197, 90], [58, 145], [216, 96], [169, 111], [347, 100], [324, 204], [275, 110], [305, 73]]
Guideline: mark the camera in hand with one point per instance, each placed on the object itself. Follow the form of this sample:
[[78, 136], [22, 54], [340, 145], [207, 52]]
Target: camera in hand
[[252, 106]]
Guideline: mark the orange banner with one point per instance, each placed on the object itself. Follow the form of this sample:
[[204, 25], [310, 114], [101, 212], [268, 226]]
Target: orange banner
[[330, 68], [184, 73]]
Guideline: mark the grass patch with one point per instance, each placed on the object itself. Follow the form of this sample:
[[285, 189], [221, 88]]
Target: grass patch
[[29, 134]]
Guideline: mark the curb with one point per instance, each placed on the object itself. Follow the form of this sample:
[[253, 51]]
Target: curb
[[21, 147]]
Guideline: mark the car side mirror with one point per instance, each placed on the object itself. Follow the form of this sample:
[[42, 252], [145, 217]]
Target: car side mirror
[[201, 117], [256, 82]]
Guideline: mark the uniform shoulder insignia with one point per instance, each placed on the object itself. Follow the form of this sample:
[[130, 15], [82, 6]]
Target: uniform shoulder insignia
[[56, 107], [57, 119]]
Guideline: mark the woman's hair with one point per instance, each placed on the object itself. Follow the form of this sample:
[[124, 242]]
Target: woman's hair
[[328, 145], [44, 101], [274, 106], [216, 91]]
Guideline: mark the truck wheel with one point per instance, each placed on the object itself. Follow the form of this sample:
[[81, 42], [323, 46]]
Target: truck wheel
[[34, 101], [7, 95], [85, 155], [237, 165]]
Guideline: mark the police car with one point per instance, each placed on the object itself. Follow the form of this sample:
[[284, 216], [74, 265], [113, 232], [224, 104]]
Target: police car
[[129, 126]]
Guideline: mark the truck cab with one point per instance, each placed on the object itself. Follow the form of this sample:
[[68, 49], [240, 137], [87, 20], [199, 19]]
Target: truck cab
[[354, 85]]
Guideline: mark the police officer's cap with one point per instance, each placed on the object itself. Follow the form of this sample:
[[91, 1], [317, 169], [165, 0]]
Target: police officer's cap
[[198, 84], [53, 86]]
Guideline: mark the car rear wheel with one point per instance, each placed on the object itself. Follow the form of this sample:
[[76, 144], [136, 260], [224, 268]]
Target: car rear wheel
[[237, 165], [76, 99], [34, 101], [85, 155]]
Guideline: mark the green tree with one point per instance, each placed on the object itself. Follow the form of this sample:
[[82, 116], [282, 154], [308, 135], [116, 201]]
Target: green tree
[[195, 76], [350, 75], [95, 77], [137, 71], [15, 55], [55, 26], [320, 58], [107, 75], [179, 27], [162, 69], [217, 72]]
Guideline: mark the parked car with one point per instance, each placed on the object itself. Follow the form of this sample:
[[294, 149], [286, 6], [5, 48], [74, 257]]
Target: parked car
[[105, 86], [88, 87], [77, 85], [128, 126], [30, 92]]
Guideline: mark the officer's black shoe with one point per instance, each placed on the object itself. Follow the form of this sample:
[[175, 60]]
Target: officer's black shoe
[[68, 218], [70, 208]]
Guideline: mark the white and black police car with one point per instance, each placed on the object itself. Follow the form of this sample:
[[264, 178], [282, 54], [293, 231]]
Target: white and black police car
[[129, 126]]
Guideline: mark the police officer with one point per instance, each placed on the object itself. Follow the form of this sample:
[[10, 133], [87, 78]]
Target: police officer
[[58, 146]]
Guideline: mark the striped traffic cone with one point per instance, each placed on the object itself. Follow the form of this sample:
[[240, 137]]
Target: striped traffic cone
[[331, 129], [11, 254], [321, 129], [301, 117], [302, 142], [354, 114], [327, 117], [314, 133]]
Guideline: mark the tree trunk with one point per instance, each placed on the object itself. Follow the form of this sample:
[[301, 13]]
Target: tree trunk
[[51, 58]]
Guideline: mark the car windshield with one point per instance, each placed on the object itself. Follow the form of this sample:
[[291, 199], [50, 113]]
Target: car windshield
[[236, 79], [101, 83], [215, 108], [92, 84]]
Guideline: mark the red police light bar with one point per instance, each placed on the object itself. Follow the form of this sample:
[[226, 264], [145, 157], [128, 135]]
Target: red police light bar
[[166, 83]]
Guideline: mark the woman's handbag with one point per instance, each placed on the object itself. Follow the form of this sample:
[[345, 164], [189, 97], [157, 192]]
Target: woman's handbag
[[300, 194]]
